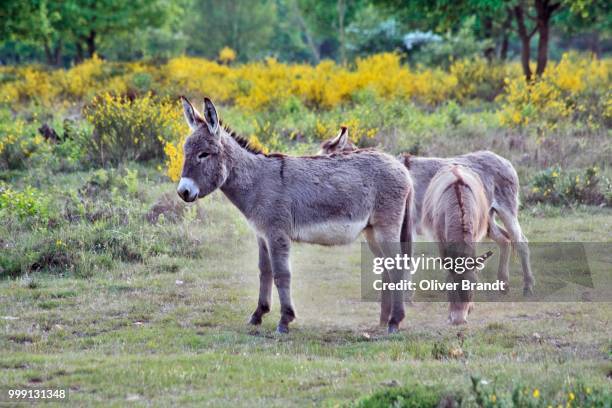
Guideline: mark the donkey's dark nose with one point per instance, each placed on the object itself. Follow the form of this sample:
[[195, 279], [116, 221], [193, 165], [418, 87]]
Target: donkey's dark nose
[[187, 190]]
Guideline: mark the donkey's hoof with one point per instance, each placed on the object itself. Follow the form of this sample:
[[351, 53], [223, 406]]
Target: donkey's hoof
[[393, 328], [255, 320], [506, 287], [528, 291], [282, 329]]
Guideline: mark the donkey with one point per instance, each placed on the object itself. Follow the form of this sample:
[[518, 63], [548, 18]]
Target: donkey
[[455, 214], [327, 200], [501, 186]]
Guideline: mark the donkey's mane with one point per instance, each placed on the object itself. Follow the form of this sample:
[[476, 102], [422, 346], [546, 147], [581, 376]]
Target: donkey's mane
[[242, 141], [246, 145]]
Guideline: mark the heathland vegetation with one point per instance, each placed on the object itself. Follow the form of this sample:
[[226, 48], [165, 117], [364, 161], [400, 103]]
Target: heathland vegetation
[[112, 286]]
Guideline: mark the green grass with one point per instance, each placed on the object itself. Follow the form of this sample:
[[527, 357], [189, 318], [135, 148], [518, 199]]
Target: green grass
[[169, 326]]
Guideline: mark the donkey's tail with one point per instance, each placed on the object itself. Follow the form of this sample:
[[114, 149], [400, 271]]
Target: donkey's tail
[[406, 237]]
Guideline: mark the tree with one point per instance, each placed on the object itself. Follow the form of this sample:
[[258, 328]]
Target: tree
[[111, 17], [246, 26], [530, 17], [37, 21], [326, 22], [53, 24]]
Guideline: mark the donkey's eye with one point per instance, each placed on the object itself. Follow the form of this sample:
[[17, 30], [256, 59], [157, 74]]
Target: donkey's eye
[[203, 155]]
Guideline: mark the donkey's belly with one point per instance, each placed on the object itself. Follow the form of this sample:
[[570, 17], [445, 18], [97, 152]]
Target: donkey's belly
[[330, 232]]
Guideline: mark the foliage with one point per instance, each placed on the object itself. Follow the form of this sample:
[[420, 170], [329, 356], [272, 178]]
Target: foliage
[[26, 204], [52, 24], [572, 90], [135, 114], [460, 45], [372, 33], [579, 395], [131, 129], [227, 55], [245, 26], [559, 187], [415, 396]]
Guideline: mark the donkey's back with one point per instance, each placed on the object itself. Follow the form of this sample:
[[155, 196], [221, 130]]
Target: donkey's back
[[455, 206], [499, 179]]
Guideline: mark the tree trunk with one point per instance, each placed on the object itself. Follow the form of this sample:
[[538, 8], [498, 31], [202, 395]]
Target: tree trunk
[[90, 41], [311, 44], [525, 38], [489, 52], [544, 11], [506, 26], [341, 11], [53, 55], [542, 47], [79, 52]]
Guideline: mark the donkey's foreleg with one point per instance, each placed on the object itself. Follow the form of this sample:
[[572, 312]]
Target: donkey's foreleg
[[265, 283], [502, 238], [385, 294], [279, 246]]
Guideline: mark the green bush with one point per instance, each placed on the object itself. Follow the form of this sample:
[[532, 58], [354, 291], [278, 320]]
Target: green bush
[[416, 396], [26, 204], [558, 187], [578, 395]]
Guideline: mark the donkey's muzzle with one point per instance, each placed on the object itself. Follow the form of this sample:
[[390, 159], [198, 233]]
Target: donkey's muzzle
[[187, 189]]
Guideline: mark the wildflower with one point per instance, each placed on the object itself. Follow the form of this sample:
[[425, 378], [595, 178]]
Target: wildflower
[[227, 55], [536, 393], [493, 398], [571, 396]]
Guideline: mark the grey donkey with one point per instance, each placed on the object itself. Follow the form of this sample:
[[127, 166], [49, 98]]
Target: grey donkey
[[501, 186], [456, 215], [327, 200]]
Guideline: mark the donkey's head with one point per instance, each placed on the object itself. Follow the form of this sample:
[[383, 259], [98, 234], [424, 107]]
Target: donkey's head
[[205, 167], [338, 144], [461, 300]]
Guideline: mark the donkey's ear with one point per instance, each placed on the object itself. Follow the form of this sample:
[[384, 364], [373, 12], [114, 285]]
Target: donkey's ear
[[210, 116], [340, 141], [342, 137], [192, 116]]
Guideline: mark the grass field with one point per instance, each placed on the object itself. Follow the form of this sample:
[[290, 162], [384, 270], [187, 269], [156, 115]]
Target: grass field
[[169, 326]]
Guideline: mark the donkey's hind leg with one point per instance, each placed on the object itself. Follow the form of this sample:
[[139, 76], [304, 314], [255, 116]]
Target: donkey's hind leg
[[518, 239], [385, 295], [265, 283], [387, 237], [501, 237]]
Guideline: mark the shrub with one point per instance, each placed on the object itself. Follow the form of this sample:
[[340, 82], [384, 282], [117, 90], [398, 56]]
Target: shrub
[[575, 89], [558, 187], [415, 396], [132, 128], [26, 204], [18, 142], [577, 395]]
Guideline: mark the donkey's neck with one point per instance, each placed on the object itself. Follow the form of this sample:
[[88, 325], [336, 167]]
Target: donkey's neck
[[243, 168]]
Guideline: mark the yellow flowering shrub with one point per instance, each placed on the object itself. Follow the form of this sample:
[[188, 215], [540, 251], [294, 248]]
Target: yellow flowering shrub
[[132, 129], [227, 55], [574, 88], [83, 78], [17, 142], [187, 75]]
